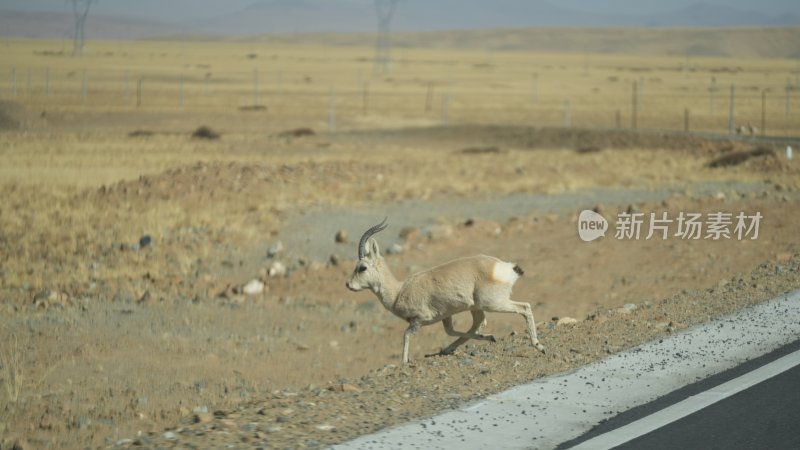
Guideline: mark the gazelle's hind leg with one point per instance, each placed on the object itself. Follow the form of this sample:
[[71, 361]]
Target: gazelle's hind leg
[[448, 328], [478, 321], [523, 309]]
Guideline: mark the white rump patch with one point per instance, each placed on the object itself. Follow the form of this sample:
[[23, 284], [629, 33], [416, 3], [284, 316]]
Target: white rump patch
[[503, 272]]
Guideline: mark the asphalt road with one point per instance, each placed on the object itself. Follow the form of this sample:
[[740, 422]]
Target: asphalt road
[[747, 407], [766, 416], [732, 383]]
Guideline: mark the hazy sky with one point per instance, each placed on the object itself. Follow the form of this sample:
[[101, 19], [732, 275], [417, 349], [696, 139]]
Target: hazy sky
[[183, 10]]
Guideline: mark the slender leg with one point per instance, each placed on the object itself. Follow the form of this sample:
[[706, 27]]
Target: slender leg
[[478, 318], [448, 328], [523, 309], [413, 327]]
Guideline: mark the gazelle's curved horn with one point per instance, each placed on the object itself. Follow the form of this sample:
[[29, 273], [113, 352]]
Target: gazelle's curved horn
[[362, 250]]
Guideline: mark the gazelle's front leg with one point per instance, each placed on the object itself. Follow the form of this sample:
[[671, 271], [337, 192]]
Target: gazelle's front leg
[[413, 327]]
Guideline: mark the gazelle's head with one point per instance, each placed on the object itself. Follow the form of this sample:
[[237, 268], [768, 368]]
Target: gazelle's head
[[367, 273]]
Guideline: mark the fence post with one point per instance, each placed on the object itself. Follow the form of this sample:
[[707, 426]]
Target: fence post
[[763, 112], [180, 92], [635, 105], [686, 120], [640, 95], [139, 88], [788, 97], [712, 90], [255, 88], [567, 114], [365, 98], [732, 110], [126, 95], [445, 107], [429, 97], [84, 87], [332, 110]]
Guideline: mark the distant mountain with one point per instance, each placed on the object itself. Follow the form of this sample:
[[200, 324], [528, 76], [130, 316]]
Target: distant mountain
[[303, 16], [48, 25], [707, 15], [290, 16], [314, 16]]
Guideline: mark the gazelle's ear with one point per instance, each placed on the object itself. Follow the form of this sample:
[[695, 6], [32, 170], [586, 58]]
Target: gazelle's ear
[[372, 249]]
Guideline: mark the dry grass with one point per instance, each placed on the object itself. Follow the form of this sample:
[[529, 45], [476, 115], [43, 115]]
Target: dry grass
[[295, 83], [11, 371]]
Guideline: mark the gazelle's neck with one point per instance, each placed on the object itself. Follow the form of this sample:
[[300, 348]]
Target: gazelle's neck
[[389, 287]]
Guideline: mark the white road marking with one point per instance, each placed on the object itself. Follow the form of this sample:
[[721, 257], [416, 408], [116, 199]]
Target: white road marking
[[692, 404]]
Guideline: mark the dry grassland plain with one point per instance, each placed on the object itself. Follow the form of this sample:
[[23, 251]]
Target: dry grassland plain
[[106, 340]]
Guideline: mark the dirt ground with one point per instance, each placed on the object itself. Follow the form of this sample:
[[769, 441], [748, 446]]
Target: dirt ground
[[125, 320]]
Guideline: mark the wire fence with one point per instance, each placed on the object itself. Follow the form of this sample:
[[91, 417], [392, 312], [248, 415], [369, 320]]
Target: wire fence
[[699, 104]]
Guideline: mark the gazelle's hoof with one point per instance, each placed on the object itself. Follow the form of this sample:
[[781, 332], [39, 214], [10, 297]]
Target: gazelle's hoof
[[492, 338], [540, 347]]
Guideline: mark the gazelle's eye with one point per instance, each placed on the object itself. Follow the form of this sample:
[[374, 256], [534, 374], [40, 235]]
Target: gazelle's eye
[[362, 268]]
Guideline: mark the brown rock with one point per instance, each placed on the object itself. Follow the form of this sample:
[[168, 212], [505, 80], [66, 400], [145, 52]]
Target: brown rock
[[203, 417], [341, 236], [409, 233]]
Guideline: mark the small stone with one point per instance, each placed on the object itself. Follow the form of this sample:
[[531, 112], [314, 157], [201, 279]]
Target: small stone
[[663, 325], [170, 436], [334, 260], [254, 287], [144, 241], [249, 427], [344, 387], [44, 298], [551, 218], [315, 266], [277, 269], [203, 417], [341, 236], [566, 321], [144, 298], [440, 232], [394, 249], [228, 423], [409, 233], [630, 307], [274, 249], [325, 427]]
